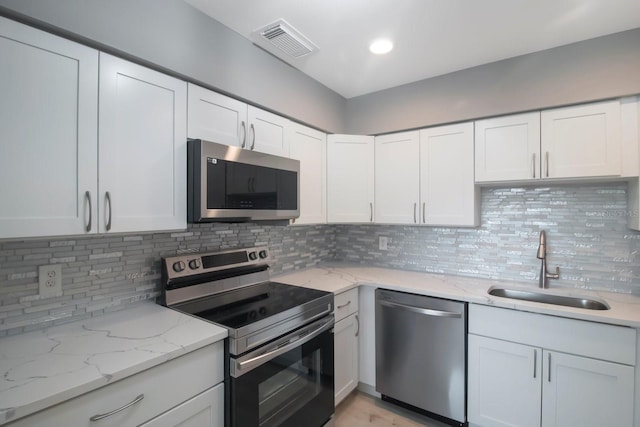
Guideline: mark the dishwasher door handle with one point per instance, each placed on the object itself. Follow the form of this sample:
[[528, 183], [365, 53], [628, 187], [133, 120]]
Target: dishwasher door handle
[[419, 310]]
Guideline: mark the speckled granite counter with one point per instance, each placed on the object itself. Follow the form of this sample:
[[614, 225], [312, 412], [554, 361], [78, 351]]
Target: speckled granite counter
[[44, 368], [625, 309]]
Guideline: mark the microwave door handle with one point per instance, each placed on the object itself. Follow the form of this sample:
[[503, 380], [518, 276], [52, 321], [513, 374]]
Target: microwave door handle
[[254, 362]]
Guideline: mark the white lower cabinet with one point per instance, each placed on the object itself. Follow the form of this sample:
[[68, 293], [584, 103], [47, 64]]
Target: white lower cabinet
[[204, 410], [186, 391], [346, 333], [521, 372]]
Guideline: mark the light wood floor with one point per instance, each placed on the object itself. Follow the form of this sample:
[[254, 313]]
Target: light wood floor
[[362, 410]]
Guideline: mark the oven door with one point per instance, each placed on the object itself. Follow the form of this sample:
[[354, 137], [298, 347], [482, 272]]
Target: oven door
[[288, 382]]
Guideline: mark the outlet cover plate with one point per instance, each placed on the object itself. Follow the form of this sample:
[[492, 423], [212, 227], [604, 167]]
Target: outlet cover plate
[[50, 280]]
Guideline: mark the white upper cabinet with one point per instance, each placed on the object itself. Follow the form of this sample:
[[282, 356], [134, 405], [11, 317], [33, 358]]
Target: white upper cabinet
[[397, 178], [447, 190], [142, 148], [581, 141], [309, 146], [267, 132], [574, 142], [507, 148], [48, 134], [350, 178], [216, 118]]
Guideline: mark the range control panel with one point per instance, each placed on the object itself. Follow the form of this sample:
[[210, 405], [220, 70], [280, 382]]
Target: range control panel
[[194, 264]]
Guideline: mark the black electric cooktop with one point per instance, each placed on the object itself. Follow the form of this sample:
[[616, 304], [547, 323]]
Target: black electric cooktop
[[240, 307]]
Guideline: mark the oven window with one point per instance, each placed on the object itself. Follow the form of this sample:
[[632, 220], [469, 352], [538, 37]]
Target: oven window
[[294, 386], [291, 390]]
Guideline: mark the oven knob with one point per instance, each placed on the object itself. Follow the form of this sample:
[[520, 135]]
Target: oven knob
[[178, 266], [262, 254], [253, 256], [194, 264]]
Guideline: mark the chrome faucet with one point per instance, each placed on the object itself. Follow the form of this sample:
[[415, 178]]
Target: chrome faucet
[[542, 255]]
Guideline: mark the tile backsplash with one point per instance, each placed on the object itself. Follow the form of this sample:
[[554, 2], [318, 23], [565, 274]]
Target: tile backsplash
[[587, 238], [105, 273], [586, 229]]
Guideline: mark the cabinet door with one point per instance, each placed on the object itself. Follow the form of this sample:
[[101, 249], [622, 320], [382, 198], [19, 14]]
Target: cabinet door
[[447, 189], [503, 383], [309, 146], [507, 148], [267, 132], [346, 357], [216, 118], [397, 178], [142, 155], [581, 141], [48, 134], [203, 410], [578, 391], [350, 183]]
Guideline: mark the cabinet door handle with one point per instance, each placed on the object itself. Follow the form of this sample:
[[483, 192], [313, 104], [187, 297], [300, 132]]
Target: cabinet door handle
[[358, 325], [371, 212], [549, 368], [546, 158], [253, 137], [115, 411], [87, 196], [533, 164], [108, 197], [414, 213], [244, 134], [424, 212], [535, 362], [346, 304]]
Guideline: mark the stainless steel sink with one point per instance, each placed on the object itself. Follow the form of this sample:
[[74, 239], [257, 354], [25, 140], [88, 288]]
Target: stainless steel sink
[[578, 302]]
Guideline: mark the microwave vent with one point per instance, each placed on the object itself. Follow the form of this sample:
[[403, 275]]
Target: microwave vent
[[285, 39]]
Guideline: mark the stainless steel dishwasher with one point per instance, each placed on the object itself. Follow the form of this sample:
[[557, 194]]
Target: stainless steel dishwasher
[[421, 353]]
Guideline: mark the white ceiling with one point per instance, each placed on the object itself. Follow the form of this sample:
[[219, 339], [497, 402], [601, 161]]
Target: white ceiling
[[431, 37]]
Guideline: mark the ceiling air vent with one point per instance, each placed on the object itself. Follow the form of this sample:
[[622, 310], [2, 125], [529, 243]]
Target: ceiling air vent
[[285, 38]]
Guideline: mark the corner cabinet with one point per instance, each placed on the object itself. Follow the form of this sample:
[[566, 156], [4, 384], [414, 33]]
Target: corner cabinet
[[309, 146], [142, 148], [218, 118], [186, 391], [346, 331], [350, 178], [48, 133], [528, 369], [426, 177]]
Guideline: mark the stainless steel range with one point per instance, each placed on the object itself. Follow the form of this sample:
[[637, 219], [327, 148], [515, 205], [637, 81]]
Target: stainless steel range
[[279, 353]]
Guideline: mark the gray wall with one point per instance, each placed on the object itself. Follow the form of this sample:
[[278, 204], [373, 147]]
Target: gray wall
[[606, 67], [173, 36], [177, 38]]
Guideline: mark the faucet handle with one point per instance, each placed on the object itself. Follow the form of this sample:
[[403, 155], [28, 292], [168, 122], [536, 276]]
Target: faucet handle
[[552, 275]]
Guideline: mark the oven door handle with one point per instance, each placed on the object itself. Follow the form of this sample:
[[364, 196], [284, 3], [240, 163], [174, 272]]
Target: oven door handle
[[254, 362]]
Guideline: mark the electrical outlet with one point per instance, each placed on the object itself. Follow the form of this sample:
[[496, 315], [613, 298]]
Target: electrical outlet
[[50, 280], [384, 243]]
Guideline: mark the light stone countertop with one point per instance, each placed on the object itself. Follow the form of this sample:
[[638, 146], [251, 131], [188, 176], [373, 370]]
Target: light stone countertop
[[43, 368], [625, 309]]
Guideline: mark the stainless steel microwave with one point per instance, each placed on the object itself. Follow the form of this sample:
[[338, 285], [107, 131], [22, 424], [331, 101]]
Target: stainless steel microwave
[[232, 184]]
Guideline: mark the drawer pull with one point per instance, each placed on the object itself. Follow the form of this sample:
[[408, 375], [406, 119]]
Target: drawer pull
[[358, 323], [115, 411], [346, 304], [535, 362]]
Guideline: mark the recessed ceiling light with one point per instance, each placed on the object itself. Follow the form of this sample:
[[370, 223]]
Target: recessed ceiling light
[[381, 46]]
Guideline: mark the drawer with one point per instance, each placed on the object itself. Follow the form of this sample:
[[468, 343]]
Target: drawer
[[346, 303], [596, 340], [164, 387]]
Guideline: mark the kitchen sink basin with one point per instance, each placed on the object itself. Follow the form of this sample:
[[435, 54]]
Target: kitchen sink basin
[[567, 301]]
